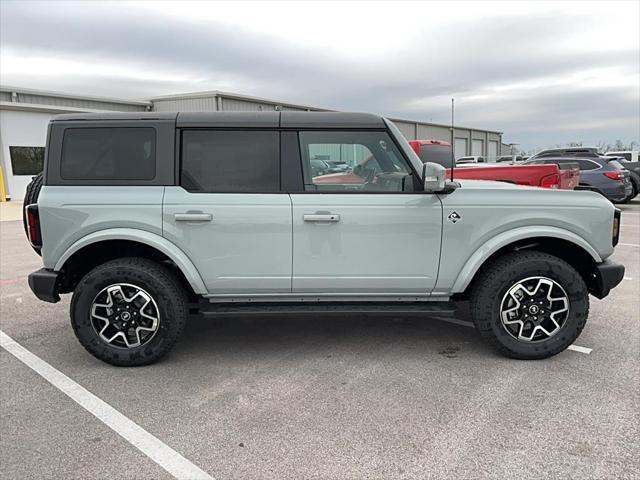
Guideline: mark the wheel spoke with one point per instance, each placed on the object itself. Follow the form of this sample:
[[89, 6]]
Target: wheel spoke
[[534, 309], [117, 317]]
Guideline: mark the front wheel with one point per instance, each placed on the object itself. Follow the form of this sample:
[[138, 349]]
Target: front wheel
[[529, 305], [129, 311]]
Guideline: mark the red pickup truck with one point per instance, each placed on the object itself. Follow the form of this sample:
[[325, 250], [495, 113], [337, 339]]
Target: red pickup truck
[[546, 176], [439, 151]]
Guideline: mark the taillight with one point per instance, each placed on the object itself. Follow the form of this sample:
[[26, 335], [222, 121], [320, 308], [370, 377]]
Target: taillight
[[550, 181], [33, 225], [613, 175]]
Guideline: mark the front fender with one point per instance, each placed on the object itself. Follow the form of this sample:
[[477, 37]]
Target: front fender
[[494, 244], [151, 239]]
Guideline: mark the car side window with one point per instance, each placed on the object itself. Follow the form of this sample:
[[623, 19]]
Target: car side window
[[230, 161], [587, 165], [108, 153], [363, 161]]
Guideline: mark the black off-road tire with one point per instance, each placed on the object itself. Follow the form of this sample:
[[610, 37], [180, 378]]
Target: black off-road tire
[[30, 197], [496, 279], [159, 282]]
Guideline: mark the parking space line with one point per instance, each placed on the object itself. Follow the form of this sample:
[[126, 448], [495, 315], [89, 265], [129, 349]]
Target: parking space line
[[152, 447], [11, 281], [627, 278], [11, 295], [575, 348], [630, 244]]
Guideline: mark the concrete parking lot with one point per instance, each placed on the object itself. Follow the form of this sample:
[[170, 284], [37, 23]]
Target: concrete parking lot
[[327, 397]]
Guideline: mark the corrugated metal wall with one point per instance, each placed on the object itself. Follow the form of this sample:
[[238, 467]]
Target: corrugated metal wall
[[350, 154], [428, 131], [80, 103], [185, 104]]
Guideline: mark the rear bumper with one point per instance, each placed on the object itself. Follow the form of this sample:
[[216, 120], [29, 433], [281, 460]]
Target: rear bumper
[[45, 284], [607, 275]]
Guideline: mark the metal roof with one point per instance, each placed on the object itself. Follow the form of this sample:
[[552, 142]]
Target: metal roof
[[51, 93], [237, 96], [51, 101]]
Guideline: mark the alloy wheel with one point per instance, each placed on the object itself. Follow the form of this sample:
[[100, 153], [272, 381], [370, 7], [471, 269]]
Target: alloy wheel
[[125, 315], [534, 309]]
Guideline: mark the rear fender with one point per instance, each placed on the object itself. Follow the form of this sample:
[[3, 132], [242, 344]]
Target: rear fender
[[151, 239]]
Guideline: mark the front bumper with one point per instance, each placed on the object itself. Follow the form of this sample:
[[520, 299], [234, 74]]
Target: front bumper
[[607, 275], [45, 284]]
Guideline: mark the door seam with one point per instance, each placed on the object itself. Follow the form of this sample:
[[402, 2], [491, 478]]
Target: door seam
[[292, 240]]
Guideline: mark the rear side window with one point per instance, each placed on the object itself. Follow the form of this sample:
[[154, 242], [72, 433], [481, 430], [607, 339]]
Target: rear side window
[[617, 165], [108, 153], [230, 161], [587, 165]]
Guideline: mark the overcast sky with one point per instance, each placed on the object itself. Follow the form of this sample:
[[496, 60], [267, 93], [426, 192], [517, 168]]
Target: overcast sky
[[544, 73]]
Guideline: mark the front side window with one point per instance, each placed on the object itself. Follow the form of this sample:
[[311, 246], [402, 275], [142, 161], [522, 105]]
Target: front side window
[[230, 161], [360, 161], [27, 160], [109, 153]]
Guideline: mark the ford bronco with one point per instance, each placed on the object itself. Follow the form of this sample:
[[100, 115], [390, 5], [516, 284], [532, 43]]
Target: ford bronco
[[148, 218]]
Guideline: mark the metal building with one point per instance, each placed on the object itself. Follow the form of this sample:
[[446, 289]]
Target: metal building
[[25, 113]]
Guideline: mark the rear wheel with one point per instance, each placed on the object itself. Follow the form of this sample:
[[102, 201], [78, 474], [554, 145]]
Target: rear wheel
[[129, 311], [530, 305]]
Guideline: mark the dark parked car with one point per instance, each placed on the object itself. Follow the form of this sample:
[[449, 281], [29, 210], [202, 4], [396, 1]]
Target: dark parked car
[[630, 161], [319, 167], [607, 178], [627, 159]]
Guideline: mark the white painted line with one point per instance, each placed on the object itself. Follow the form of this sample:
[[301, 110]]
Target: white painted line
[[630, 225], [630, 244], [11, 295], [577, 348], [455, 321], [627, 278], [162, 454]]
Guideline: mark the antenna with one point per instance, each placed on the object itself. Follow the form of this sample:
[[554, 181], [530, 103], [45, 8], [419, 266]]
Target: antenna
[[453, 139]]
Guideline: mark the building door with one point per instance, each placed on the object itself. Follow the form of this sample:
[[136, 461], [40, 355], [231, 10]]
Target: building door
[[493, 151], [460, 148], [477, 148]]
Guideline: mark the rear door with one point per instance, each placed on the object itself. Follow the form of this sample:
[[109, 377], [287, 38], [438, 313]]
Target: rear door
[[228, 213], [376, 236]]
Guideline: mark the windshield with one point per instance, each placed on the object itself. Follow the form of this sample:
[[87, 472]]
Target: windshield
[[436, 153]]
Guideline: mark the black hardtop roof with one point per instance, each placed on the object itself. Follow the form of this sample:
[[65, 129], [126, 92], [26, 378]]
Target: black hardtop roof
[[240, 119]]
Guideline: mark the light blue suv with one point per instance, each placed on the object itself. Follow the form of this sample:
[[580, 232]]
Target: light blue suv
[[148, 218]]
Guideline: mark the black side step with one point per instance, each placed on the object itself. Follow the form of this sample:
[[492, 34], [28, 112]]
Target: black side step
[[324, 308]]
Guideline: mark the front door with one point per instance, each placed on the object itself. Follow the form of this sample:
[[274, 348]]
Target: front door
[[228, 214], [364, 231]]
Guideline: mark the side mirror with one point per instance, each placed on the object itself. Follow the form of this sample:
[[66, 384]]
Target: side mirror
[[433, 177]]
